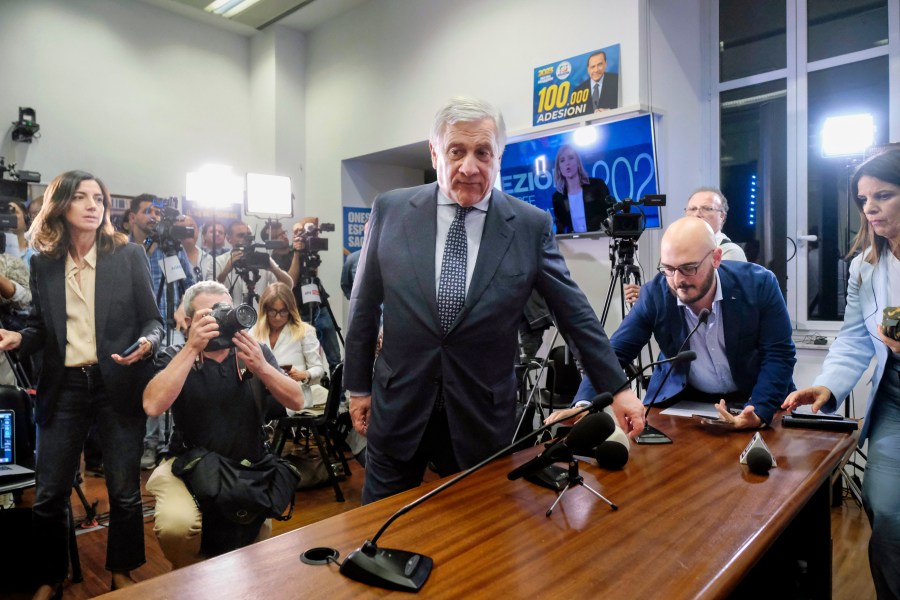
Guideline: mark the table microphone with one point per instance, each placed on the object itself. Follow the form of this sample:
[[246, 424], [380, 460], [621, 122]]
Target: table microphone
[[584, 435], [407, 571], [652, 435], [759, 461]]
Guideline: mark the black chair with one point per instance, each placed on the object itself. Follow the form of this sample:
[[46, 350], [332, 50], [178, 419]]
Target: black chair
[[563, 377], [322, 428]]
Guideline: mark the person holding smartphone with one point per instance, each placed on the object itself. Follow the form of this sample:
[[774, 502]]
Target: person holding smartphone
[[91, 300]]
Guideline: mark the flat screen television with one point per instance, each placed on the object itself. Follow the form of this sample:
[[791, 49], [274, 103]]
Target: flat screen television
[[612, 162]]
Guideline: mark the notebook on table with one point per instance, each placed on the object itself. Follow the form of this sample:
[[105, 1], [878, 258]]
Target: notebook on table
[[8, 466]]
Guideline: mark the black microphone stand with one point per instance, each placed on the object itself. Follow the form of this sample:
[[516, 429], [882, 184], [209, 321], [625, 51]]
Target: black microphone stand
[[575, 478], [407, 571]]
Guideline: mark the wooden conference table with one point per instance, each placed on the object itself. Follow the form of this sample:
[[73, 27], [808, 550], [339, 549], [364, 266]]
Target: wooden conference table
[[691, 523]]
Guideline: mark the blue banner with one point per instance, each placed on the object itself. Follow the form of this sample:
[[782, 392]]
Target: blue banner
[[354, 223]]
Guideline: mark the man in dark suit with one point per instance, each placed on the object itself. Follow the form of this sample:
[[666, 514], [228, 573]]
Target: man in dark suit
[[603, 87], [453, 264], [744, 352]]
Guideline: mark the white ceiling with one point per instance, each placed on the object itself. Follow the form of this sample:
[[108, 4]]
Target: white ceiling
[[302, 15]]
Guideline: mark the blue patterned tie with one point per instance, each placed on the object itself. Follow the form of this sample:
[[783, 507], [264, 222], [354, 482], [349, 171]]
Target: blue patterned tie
[[452, 285]]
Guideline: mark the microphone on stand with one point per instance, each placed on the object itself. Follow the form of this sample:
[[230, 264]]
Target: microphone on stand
[[585, 434], [652, 435], [407, 571]]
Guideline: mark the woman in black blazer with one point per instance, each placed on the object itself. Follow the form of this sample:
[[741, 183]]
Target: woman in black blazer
[[92, 300], [579, 203]]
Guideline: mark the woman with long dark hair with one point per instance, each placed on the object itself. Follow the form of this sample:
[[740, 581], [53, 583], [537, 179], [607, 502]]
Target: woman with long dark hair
[[874, 285], [91, 301]]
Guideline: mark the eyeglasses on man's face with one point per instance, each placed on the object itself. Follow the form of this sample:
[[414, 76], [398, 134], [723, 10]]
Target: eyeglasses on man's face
[[703, 210], [688, 269]]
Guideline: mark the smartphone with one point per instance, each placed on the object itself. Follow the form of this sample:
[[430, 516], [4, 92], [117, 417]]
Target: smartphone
[[820, 415], [132, 347]]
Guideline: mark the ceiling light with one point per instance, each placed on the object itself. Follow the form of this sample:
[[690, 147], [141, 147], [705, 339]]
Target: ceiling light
[[229, 8]]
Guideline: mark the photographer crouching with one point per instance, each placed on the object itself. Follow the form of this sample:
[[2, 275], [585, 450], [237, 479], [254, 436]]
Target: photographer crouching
[[209, 384], [245, 271]]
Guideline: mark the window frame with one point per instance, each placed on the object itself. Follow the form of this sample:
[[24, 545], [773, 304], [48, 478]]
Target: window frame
[[795, 74]]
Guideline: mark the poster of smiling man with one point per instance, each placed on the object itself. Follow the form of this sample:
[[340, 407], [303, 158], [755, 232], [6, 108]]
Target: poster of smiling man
[[577, 86]]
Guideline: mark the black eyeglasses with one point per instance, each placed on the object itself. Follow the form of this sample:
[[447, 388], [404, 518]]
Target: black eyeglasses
[[273, 312], [687, 270]]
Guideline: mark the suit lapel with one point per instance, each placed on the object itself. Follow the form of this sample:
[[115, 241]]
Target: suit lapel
[[732, 302], [420, 227], [56, 296], [495, 240], [103, 280]]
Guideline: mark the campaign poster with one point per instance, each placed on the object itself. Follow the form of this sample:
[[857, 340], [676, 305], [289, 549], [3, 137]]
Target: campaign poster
[[577, 86], [354, 224], [607, 162]]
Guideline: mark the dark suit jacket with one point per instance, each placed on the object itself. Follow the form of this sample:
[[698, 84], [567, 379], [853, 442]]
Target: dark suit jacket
[[473, 364], [124, 310], [609, 93], [595, 193], [757, 330]]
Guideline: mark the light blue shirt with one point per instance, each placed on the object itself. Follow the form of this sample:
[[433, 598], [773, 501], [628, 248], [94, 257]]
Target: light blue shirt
[[446, 212], [710, 372]]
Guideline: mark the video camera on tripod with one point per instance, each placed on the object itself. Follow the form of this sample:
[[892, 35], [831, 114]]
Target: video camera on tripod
[[167, 234], [253, 260], [622, 223], [308, 244]]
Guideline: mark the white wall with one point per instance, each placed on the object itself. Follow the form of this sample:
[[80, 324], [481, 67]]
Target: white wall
[[376, 75], [133, 93]]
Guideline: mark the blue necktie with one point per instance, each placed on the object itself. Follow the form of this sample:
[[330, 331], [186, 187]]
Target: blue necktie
[[452, 285]]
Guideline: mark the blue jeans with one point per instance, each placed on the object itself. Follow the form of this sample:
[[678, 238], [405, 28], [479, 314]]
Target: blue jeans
[[83, 401], [881, 484]]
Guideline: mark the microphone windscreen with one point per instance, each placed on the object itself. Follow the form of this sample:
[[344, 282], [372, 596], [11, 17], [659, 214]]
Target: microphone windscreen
[[686, 356], [601, 401], [589, 431], [759, 461], [613, 453], [703, 316]]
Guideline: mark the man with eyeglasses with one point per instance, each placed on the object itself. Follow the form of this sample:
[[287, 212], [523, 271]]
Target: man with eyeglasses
[[238, 236], [709, 204], [745, 355]]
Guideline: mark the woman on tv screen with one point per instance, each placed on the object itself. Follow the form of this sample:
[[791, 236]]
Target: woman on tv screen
[[579, 203]]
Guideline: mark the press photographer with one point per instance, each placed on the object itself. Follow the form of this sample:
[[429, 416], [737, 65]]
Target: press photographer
[[312, 299], [214, 386], [246, 270]]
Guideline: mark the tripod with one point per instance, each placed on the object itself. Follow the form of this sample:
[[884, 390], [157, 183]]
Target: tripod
[[621, 257], [575, 478], [168, 287], [311, 309]]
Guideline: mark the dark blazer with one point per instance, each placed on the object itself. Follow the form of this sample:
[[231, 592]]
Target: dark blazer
[[595, 205], [609, 93], [124, 310], [473, 364], [757, 330]]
